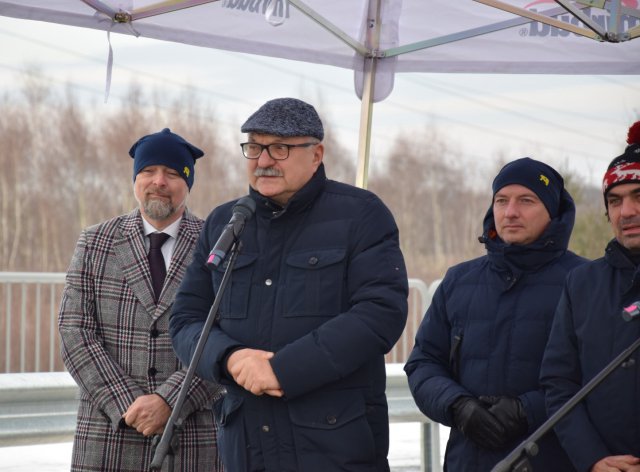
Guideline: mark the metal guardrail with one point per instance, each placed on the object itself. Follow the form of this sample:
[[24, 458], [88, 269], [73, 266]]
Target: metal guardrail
[[38, 408], [402, 409]]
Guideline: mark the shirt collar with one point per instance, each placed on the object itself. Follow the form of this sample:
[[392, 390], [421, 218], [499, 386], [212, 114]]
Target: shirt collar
[[171, 230]]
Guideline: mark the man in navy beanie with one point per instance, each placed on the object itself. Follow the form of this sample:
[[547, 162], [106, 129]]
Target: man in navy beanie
[[478, 350], [167, 149], [525, 175], [114, 320]]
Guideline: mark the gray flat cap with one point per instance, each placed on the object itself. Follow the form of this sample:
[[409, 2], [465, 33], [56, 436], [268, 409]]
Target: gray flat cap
[[286, 117]]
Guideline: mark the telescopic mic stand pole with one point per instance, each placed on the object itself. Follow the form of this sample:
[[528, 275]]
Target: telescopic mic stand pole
[[165, 444], [517, 460]]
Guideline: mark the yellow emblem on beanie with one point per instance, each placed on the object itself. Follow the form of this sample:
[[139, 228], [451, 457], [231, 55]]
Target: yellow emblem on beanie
[[544, 179]]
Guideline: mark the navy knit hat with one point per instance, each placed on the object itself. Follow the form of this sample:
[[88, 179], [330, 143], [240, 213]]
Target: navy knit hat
[[286, 117], [537, 176], [167, 149]]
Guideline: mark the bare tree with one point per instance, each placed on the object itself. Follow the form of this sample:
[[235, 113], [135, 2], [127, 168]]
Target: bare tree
[[66, 162], [435, 206]]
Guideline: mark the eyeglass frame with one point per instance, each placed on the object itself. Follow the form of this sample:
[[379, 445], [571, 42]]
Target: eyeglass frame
[[266, 146]]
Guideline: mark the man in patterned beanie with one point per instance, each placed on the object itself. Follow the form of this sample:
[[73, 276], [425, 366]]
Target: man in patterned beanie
[[592, 326]]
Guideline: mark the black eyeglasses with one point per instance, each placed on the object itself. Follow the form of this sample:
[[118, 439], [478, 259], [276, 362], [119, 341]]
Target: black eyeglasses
[[277, 151]]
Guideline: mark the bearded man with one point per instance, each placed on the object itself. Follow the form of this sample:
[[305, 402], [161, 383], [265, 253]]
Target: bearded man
[[114, 319]]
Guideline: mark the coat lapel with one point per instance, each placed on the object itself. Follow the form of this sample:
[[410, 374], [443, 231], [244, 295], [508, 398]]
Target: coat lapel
[[131, 256], [182, 254]]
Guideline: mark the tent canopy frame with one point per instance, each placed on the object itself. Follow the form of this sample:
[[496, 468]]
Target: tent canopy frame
[[368, 49]]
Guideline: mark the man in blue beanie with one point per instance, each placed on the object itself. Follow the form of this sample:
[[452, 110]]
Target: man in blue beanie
[[114, 319], [165, 149], [317, 296], [478, 350]]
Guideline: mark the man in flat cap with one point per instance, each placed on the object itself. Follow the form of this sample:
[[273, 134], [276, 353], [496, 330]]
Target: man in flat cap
[[317, 296], [478, 350], [114, 322], [602, 433]]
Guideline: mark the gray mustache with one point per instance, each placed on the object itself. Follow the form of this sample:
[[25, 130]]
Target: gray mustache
[[267, 172]]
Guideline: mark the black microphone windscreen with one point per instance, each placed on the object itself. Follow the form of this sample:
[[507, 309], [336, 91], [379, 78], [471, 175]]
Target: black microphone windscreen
[[246, 206]]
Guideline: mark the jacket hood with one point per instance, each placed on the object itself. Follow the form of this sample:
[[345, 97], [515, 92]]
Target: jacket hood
[[553, 242]]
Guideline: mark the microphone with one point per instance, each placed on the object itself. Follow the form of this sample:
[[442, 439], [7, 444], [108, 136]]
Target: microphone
[[631, 312], [243, 210]]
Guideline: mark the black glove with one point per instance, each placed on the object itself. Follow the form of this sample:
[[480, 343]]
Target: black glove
[[475, 421], [510, 413]]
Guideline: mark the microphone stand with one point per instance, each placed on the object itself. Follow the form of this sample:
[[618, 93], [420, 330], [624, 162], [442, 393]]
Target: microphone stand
[[167, 444], [518, 459]]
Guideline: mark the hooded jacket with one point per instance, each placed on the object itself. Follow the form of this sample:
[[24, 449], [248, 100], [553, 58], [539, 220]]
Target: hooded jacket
[[587, 334], [322, 283], [485, 332]]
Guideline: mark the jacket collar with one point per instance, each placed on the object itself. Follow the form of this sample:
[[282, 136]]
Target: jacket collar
[[267, 208], [620, 259], [617, 256]]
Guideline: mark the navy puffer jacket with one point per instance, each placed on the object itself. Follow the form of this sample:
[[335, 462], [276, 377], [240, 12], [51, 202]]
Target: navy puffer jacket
[[588, 333], [485, 333], [322, 283]]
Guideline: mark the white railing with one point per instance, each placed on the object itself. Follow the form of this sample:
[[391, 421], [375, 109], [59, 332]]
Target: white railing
[[29, 303], [37, 406]]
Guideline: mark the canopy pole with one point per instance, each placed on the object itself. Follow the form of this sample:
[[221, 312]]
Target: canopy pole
[[366, 108], [366, 116]]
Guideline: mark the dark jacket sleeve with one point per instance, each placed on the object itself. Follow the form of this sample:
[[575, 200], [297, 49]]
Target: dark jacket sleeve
[[190, 309], [429, 371], [561, 378]]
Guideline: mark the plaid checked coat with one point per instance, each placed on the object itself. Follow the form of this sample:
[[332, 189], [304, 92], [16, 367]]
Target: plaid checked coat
[[115, 344]]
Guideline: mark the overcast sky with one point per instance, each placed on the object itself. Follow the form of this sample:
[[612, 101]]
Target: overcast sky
[[574, 121]]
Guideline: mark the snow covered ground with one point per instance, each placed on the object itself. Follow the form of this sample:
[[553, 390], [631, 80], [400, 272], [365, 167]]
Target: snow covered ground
[[404, 453]]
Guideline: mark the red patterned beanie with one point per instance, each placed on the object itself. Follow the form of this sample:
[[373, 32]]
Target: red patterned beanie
[[625, 168]]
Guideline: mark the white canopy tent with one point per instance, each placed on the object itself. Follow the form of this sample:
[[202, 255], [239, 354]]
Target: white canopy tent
[[379, 38]]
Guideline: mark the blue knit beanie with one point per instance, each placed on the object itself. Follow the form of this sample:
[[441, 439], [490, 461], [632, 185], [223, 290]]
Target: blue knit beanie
[[537, 176], [167, 149], [286, 117]]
